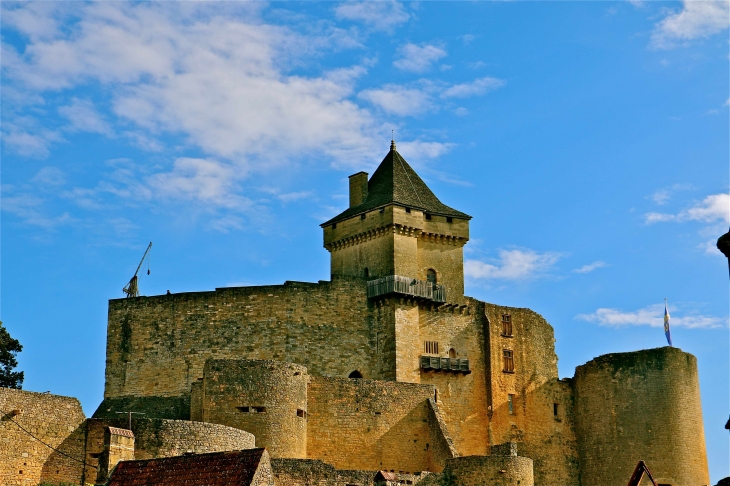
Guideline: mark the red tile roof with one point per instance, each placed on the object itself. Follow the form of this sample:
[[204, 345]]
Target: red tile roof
[[235, 468], [386, 476]]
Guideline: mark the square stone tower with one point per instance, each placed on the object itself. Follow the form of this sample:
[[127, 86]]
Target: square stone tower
[[396, 233]]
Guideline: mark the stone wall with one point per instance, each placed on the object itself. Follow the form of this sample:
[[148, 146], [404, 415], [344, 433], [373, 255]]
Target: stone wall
[[488, 470], [643, 405], [327, 327], [546, 438], [57, 421], [155, 438], [312, 472], [373, 425], [462, 398], [266, 398]]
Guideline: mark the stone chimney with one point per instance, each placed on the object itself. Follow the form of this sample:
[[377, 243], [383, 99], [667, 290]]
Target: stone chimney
[[358, 188], [118, 446]]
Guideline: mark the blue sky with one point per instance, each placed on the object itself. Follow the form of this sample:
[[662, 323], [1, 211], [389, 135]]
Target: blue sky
[[589, 140]]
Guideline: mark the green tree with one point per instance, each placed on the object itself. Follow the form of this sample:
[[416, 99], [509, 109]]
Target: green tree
[[9, 347]]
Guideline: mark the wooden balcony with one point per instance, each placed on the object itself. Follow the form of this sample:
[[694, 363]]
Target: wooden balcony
[[450, 365], [396, 284]]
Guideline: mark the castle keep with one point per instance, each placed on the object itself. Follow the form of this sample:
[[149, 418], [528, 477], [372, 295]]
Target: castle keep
[[387, 372]]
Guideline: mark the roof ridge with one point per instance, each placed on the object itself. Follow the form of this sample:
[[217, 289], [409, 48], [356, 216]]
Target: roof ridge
[[400, 161]]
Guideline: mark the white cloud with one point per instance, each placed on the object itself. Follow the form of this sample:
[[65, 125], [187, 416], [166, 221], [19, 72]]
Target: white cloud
[[50, 176], [220, 81], [467, 39], [662, 196], [417, 59], [697, 19], [83, 117], [399, 100], [590, 267], [418, 150], [30, 141], [652, 315], [712, 209], [208, 181], [377, 15], [477, 87], [29, 208], [512, 265], [294, 196]]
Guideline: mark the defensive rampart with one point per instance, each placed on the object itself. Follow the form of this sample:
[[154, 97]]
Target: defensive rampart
[[643, 405], [294, 322], [55, 420], [264, 397]]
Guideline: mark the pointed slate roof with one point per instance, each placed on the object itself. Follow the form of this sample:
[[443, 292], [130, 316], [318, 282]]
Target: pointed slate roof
[[395, 182]]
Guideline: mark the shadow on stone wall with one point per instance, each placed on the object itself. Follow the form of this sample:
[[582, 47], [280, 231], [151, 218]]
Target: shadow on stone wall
[[60, 468]]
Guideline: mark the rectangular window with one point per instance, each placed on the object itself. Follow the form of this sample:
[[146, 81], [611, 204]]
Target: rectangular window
[[259, 409], [555, 409], [508, 361], [506, 325], [408, 210], [511, 404], [431, 347], [428, 216], [363, 215], [449, 219], [301, 413], [244, 409], [334, 225]]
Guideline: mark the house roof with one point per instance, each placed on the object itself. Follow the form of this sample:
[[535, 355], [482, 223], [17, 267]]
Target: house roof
[[234, 468], [385, 476], [394, 181]]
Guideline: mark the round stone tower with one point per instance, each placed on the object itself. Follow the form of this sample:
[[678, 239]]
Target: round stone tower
[[643, 405], [263, 397]]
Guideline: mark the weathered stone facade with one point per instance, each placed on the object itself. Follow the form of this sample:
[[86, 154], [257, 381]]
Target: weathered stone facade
[[641, 406], [54, 420]]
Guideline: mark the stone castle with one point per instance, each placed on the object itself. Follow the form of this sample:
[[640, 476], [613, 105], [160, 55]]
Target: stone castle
[[388, 367]]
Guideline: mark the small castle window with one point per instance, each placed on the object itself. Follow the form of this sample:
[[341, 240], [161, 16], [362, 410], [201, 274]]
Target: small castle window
[[506, 325], [244, 409], [334, 225], [355, 375], [431, 275], [452, 353], [366, 272], [259, 409], [301, 413], [363, 216], [508, 361], [511, 404], [431, 347], [428, 216], [408, 210], [449, 219], [555, 409], [382, 210]]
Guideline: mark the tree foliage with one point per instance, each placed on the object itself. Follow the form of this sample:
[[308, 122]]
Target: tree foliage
[[9, 347]]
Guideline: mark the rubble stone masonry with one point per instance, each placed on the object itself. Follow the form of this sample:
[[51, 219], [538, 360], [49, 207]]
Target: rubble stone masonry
[[55, 420]]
